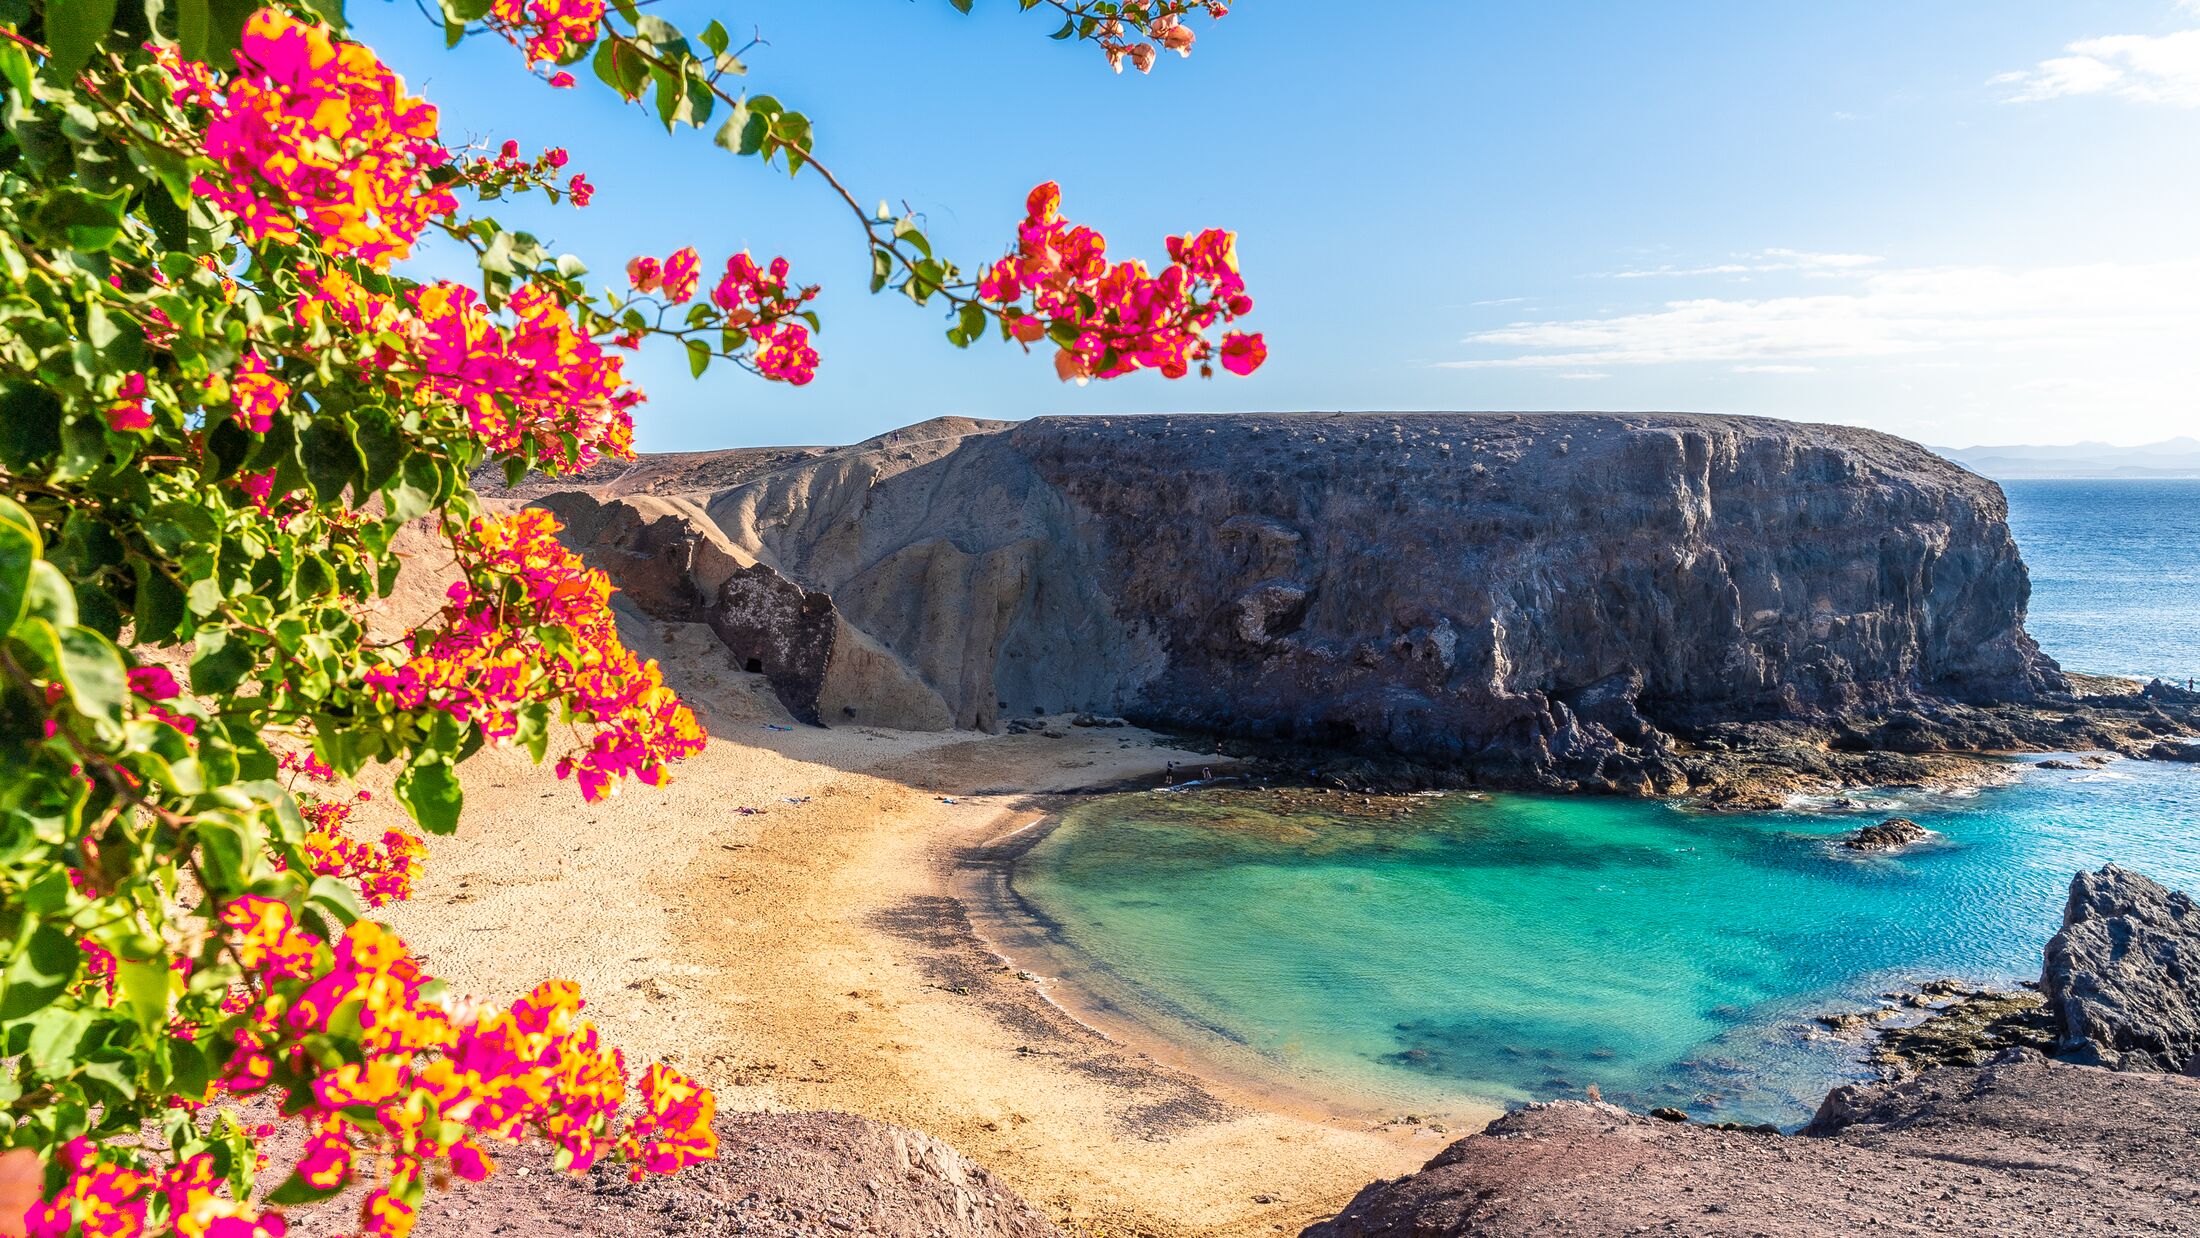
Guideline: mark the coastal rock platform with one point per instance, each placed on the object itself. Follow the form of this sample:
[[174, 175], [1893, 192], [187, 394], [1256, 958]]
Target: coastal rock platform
[[2023, 1146]]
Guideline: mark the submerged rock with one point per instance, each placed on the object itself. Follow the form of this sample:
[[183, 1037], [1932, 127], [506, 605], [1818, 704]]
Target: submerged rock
[[1888, 835], [2122, 978]]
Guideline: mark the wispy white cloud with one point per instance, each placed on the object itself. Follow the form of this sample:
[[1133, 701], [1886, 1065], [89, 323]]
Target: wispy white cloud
[[2145, 68], [1775, 369], [1897, 313], [1762, 261]]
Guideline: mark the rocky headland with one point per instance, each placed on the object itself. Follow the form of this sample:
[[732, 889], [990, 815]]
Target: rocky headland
[[1735, 609], [2099, 1135]]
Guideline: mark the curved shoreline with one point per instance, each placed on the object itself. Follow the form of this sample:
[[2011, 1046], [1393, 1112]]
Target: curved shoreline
[[1084, 989]]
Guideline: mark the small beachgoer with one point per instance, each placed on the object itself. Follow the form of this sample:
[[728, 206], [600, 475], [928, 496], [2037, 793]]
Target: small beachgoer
[[1169, 778], [1206, 773]]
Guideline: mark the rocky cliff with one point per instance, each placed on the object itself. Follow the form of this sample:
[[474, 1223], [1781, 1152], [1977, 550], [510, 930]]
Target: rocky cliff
[[1543, 598]]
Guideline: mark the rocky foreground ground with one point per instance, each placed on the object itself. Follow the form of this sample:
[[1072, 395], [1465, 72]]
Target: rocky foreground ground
[[2024, 1145]]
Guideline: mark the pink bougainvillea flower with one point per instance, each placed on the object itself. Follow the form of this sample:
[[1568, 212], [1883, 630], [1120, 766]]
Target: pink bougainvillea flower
[[1242, 354], [313, 134], [1111, 319], [547, 29], [490, 660], [681, 272]]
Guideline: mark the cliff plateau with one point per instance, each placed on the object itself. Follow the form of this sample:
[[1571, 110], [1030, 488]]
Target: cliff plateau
[[1554, 600]]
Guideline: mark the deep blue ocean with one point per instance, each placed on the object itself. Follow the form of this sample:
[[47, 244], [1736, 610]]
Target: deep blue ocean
[[2115, 573], [1509, 948]]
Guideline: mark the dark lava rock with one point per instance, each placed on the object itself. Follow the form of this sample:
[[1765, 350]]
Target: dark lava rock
[[2123, 976], [1564, 601], [1969, 1031], [2022, 1147], [1888, 835]]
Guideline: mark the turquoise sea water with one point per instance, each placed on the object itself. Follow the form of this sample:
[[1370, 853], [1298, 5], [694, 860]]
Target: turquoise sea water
[[1519, 947]]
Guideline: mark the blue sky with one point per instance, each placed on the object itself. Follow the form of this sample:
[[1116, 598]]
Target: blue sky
[[1967, 221]]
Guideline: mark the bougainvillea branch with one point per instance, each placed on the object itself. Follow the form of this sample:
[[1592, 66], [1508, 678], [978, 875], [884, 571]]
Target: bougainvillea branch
[[223, 404]]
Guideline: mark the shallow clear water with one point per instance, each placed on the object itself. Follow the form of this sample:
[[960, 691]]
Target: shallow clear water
[[1519, 947]]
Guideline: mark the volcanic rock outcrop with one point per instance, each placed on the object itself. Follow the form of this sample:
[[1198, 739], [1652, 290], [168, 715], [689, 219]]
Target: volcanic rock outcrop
[[2123, 976], [1543, 598]]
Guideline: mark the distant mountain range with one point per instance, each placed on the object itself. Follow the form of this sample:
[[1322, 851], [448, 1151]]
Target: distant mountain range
[[2173, 458]]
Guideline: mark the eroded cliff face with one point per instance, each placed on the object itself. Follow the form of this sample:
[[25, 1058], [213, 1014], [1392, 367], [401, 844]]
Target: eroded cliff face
[[1536, 596]]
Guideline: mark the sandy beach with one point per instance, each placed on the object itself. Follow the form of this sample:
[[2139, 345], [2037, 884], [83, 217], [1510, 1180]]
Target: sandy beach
[[814, 954]]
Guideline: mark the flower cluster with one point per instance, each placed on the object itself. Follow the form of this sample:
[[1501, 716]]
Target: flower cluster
[[433, 1078], [1142, 29], [546, 29], [1112, 319], [153, 685], [109, 1198], [128, 413], [317, 135], [675, 277], [383, 871], [532, 623], [539, 382], [495, 175], [256, 394], [761, 302]]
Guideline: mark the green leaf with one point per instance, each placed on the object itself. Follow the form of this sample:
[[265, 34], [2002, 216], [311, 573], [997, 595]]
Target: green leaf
[[218, 663], [620, 67], [144, 988], [338, 898], [55, 1035], [210, 30], [414, 494], [222, 850], [30, 425], [657, 30], [74, 30], [92, 670], [50, 597], [42, 967], [331, 457], [20, 547], [383, 445], [16, 67], [82, 220], [429, 790], [698, 357], [295, 1190], [159, 608]]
